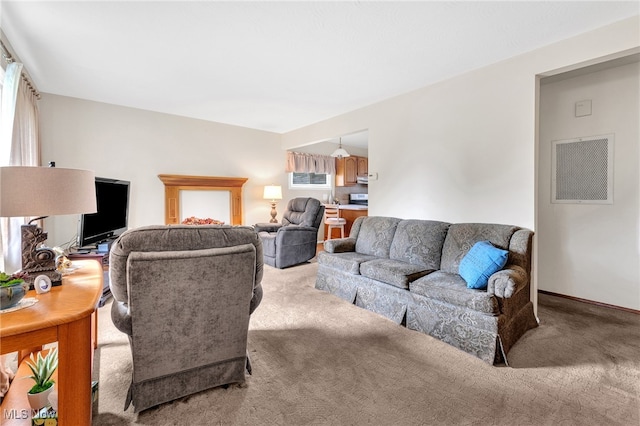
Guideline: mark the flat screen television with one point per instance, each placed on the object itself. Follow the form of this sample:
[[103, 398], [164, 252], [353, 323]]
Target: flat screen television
[[111, 218]]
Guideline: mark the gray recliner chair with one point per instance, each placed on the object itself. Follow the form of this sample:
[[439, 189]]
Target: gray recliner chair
[[184, 294], [294, 240]]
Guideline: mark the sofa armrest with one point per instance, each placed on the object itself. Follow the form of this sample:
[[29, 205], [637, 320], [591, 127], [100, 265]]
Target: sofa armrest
[[267, 227], [340, 245], [507, 282]]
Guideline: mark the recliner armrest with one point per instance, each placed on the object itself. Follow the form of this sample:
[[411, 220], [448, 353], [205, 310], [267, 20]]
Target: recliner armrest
[[267, 227], [296, 234], [507, 282], [340, 245]]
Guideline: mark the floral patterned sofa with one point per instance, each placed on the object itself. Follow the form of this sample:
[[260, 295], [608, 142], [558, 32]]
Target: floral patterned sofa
[[408, 271]]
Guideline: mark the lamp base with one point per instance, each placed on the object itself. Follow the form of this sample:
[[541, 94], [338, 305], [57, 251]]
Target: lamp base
[[273, 213], [37, 260]]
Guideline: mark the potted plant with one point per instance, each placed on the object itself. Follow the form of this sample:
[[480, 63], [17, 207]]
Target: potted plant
[[42, 369], [12, 289]]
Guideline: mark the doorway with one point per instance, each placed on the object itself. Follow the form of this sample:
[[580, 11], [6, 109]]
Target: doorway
[[591, 250]]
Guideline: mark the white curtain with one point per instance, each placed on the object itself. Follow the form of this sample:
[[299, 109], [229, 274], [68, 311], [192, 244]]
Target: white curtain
[[19, 146], [301, 162]]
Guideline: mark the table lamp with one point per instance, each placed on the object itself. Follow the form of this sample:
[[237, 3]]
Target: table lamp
[[28, 191], [273, 193]]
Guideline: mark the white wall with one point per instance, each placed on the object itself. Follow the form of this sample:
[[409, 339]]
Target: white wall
[[591, 251], [137, 145], [465, 149]]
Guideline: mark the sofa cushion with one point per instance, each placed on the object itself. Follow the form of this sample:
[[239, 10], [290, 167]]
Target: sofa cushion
[[419, 242], [375, 235], [347, 262], [480, 263], [451, 288], [394, 272], [462, 236]]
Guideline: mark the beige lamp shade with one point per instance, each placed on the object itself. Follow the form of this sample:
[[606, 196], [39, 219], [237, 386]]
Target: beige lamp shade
[[272, 192], [46, 191]]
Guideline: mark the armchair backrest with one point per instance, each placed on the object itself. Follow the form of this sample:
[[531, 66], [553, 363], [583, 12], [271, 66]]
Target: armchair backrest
[[184, 294], [160, 238], [303, 211]]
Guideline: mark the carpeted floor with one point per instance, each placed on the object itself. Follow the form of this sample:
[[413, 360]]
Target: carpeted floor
[[318, 360]]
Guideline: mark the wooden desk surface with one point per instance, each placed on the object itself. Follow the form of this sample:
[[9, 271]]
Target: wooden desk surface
[[76, 298]]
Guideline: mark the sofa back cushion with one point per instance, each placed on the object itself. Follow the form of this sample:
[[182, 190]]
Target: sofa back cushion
[[462, 236], [419, 242], [375, 235]]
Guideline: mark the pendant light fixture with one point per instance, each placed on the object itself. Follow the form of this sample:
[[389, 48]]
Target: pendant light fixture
[[340, 152]]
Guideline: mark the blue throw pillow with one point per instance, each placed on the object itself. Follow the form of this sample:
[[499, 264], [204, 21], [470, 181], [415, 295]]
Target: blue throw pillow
[[482, 260]]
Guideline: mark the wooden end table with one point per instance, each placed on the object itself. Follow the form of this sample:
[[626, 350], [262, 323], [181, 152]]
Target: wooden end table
[[63, 315]]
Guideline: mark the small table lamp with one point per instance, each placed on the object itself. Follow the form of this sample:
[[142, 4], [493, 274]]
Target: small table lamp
[[40, 192], [273, 193]]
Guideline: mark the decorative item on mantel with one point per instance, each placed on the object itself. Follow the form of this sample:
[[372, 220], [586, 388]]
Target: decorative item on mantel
[[199, 221], [30, 191], [273, 193]]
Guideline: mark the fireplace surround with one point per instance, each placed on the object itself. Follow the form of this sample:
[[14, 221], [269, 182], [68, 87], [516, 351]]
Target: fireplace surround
[[173, 184]]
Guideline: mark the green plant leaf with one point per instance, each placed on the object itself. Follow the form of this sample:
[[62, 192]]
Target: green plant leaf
[[42, 368]]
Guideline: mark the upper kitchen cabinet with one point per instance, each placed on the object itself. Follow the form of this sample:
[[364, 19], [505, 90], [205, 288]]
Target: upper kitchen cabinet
[[363, 166], [346, 171], [349, 168]]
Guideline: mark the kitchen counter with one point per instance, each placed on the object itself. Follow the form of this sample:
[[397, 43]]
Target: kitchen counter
[[349, 212], [353, 207]]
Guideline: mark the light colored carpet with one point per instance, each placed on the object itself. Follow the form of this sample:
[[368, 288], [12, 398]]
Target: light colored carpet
[[318, 360]]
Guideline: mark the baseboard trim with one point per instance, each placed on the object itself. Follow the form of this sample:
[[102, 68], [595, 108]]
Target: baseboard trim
[[591, 302]]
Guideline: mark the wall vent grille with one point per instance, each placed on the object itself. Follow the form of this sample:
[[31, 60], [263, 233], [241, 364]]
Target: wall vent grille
[[583, 170]]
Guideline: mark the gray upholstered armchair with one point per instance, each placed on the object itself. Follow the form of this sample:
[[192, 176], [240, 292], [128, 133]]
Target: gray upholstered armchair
[[183, 295], [295, 239]]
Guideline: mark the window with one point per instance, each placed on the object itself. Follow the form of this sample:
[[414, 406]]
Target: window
[[309, 181]]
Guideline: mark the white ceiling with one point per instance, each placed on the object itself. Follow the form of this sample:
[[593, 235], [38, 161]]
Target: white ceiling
[[276, 66]]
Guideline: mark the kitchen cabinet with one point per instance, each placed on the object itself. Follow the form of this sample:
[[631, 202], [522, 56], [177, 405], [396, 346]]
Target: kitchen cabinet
[[363, 166], [349, 168], [346, 171]]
